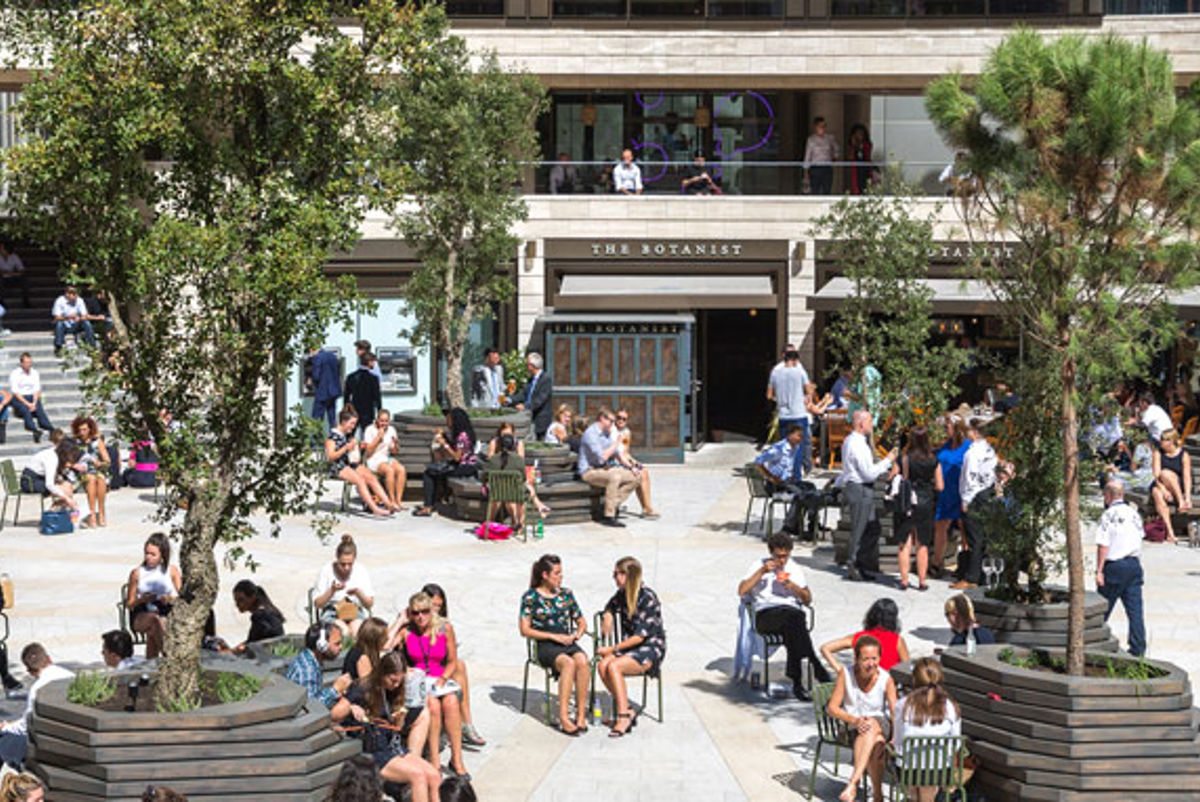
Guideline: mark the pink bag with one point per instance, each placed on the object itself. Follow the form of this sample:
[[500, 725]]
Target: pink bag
[[493, 531], [1156, 531]]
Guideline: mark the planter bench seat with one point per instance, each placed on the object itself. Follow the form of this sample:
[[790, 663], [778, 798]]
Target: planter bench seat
[[569, 502]]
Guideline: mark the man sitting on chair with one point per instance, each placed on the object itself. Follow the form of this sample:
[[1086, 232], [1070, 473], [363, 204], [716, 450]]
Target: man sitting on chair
[[777, 593], [778, 465]]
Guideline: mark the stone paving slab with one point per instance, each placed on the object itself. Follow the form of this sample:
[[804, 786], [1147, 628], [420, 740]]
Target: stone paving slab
[[720, 741]]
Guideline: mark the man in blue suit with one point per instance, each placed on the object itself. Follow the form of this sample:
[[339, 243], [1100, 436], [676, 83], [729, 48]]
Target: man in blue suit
[[326, 385], [538, 394]]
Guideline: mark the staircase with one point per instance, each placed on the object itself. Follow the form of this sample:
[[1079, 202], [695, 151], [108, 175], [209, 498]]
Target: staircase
[[33, 332]]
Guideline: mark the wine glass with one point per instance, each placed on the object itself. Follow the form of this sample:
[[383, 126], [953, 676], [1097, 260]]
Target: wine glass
[[992, 568]]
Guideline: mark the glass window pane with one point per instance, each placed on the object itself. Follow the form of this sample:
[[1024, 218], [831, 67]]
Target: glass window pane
[[589, 8], [936, 8], [867, 8], [745, 8], [667, 8]]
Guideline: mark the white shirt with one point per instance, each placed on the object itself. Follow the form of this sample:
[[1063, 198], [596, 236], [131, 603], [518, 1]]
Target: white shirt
[[22, 383], [951, 724], [1157, 422], [627, 177], [789, 387], [11, 264], [1121, 530], [128, 663], [49, 674], [44, 462], [64, 308], [978, 470], [383, 451], [858, 463], [770, 592], [858, 702], [359, 579]]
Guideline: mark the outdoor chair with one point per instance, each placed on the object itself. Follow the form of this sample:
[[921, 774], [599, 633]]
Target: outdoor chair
[[752, 643], [615, 637], [314, 614], [838, 428], [928, 761], [123, 621], [12, 489], [345, 503], [756, 483], [507, 487], [830, 732], [531, 660]]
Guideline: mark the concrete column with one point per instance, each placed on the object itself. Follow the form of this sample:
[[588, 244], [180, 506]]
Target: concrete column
[[531, 284], [801, 274], [830, 106]]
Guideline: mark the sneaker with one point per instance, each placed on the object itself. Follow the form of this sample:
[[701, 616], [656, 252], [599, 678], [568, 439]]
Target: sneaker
[[18, 694]]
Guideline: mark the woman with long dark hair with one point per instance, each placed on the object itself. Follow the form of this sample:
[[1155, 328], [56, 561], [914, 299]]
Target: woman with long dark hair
[[881, 623], [453, 456], [153, 588], [265, 619], [551, 617], [358, 781], [643, 643], [924, 474]]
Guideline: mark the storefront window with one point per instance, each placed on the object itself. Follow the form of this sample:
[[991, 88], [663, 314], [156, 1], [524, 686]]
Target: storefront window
[[475, 8], [589, 8], [1151, 6], [745, 8], [929, 8]]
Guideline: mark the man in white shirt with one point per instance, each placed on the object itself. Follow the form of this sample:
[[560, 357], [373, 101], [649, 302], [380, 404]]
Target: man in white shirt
[[12, 273], [487, 381], [1118, 564], [627, 176], [788, 388], [41, 466], [26, 387], [14, 735], [820, 150], [1154, 418], [974, 487], [777, 590], [859, 472], [71, 317], [116, 649]]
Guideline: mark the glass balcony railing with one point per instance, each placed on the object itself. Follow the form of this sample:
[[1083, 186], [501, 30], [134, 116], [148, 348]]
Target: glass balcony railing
[[745, 178]]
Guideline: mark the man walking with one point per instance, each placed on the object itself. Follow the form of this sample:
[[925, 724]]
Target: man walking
[[978, 475], [487, 381], [26, 387], [788, 388], [71, 317], [602, 463], [777, 589], [363, 391], [1118, 564], [781, 470], [859, 472], [537, 395], [326, 385]]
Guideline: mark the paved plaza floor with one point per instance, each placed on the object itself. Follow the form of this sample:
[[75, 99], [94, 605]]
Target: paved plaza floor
[[719, 740]]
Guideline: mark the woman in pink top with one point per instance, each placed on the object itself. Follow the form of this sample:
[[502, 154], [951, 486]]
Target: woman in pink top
[[430, 646]]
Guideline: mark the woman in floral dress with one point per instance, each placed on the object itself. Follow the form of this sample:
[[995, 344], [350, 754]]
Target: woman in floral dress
[[643, 643], [551, 616]]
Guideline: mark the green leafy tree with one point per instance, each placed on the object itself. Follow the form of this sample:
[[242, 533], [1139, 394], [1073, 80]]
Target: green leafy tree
[[197, 160], [456, 199], [886, 321], [1086, 154]]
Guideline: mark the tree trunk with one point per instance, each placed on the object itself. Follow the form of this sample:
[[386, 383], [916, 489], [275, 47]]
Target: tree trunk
[[454, 383], [454, 390], [179, 667], [1071, 509]]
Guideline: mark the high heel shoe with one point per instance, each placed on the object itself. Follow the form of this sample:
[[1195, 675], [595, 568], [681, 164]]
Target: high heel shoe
[[619, 733]]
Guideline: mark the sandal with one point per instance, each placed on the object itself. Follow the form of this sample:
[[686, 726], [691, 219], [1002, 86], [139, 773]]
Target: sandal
[[901, 585], [922, 587], [574, 733], [422, 512], [618, 733]]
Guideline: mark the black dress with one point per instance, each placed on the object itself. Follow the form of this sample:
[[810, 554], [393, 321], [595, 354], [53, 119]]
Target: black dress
[[920, 477]]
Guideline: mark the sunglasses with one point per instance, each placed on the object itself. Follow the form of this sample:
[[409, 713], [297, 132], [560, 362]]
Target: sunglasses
[[422, 611], [622, 418]]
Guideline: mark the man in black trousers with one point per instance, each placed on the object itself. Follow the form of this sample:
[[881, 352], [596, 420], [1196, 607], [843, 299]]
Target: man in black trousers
[[538, 395]]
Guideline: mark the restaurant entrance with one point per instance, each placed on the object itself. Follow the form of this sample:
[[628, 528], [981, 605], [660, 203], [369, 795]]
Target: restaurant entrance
[[735, 350]]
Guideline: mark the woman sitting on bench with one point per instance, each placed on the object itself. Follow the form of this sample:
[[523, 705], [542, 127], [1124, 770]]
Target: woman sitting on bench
[[338, 449], [1172, 479]]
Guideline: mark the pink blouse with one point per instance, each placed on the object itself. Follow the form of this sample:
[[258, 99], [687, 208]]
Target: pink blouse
[[430, 658]]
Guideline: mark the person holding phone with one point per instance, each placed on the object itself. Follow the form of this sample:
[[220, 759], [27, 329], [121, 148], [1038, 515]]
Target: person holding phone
[[777, 592], [381, 444], [152, 589], [859, 472], [339, 448]]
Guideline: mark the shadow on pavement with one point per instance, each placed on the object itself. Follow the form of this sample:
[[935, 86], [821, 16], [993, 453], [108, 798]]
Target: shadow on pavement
[[935, 634], [535, 703]]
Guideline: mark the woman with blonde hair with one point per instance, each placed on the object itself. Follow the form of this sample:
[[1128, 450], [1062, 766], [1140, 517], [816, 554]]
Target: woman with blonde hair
[[560, 429], [1172, 479], [643, 643], [927, 711], [429, 645], [960, 614], [22, 787]]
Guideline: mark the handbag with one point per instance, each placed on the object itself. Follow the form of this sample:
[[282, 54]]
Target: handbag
[[345, 610], [493, 531], [56, 522]]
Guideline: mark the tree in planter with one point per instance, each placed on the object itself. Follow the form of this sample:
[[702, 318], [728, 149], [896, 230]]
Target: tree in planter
[[886, 322], [1086, 155], [261, 121], [456, 199]]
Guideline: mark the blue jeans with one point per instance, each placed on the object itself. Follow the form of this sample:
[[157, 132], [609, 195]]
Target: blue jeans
[[33, 417], [64, 327], [1123, 580], [802, 460]]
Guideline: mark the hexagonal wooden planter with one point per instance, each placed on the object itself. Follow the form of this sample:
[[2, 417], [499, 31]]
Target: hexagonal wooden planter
[[273, 747], [416, 432], [1043, 625], [1055, 737]]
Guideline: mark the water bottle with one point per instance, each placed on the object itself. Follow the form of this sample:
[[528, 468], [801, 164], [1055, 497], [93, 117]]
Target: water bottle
[[971, 641], [537, 472], [541, 530], [596, 714]]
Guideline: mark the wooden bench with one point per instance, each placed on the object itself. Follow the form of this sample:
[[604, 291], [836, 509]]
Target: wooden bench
[[569, 502]]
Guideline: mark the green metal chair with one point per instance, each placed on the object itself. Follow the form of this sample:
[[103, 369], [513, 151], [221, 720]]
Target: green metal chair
[[531, 660], [830, 732], [139, 638], [756, 484], [12, 489], [613, 638], [771, 642], [507, 487], [929, 762]]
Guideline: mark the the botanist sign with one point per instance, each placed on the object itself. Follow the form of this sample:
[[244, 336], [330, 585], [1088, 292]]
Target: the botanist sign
[[610, 249]]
